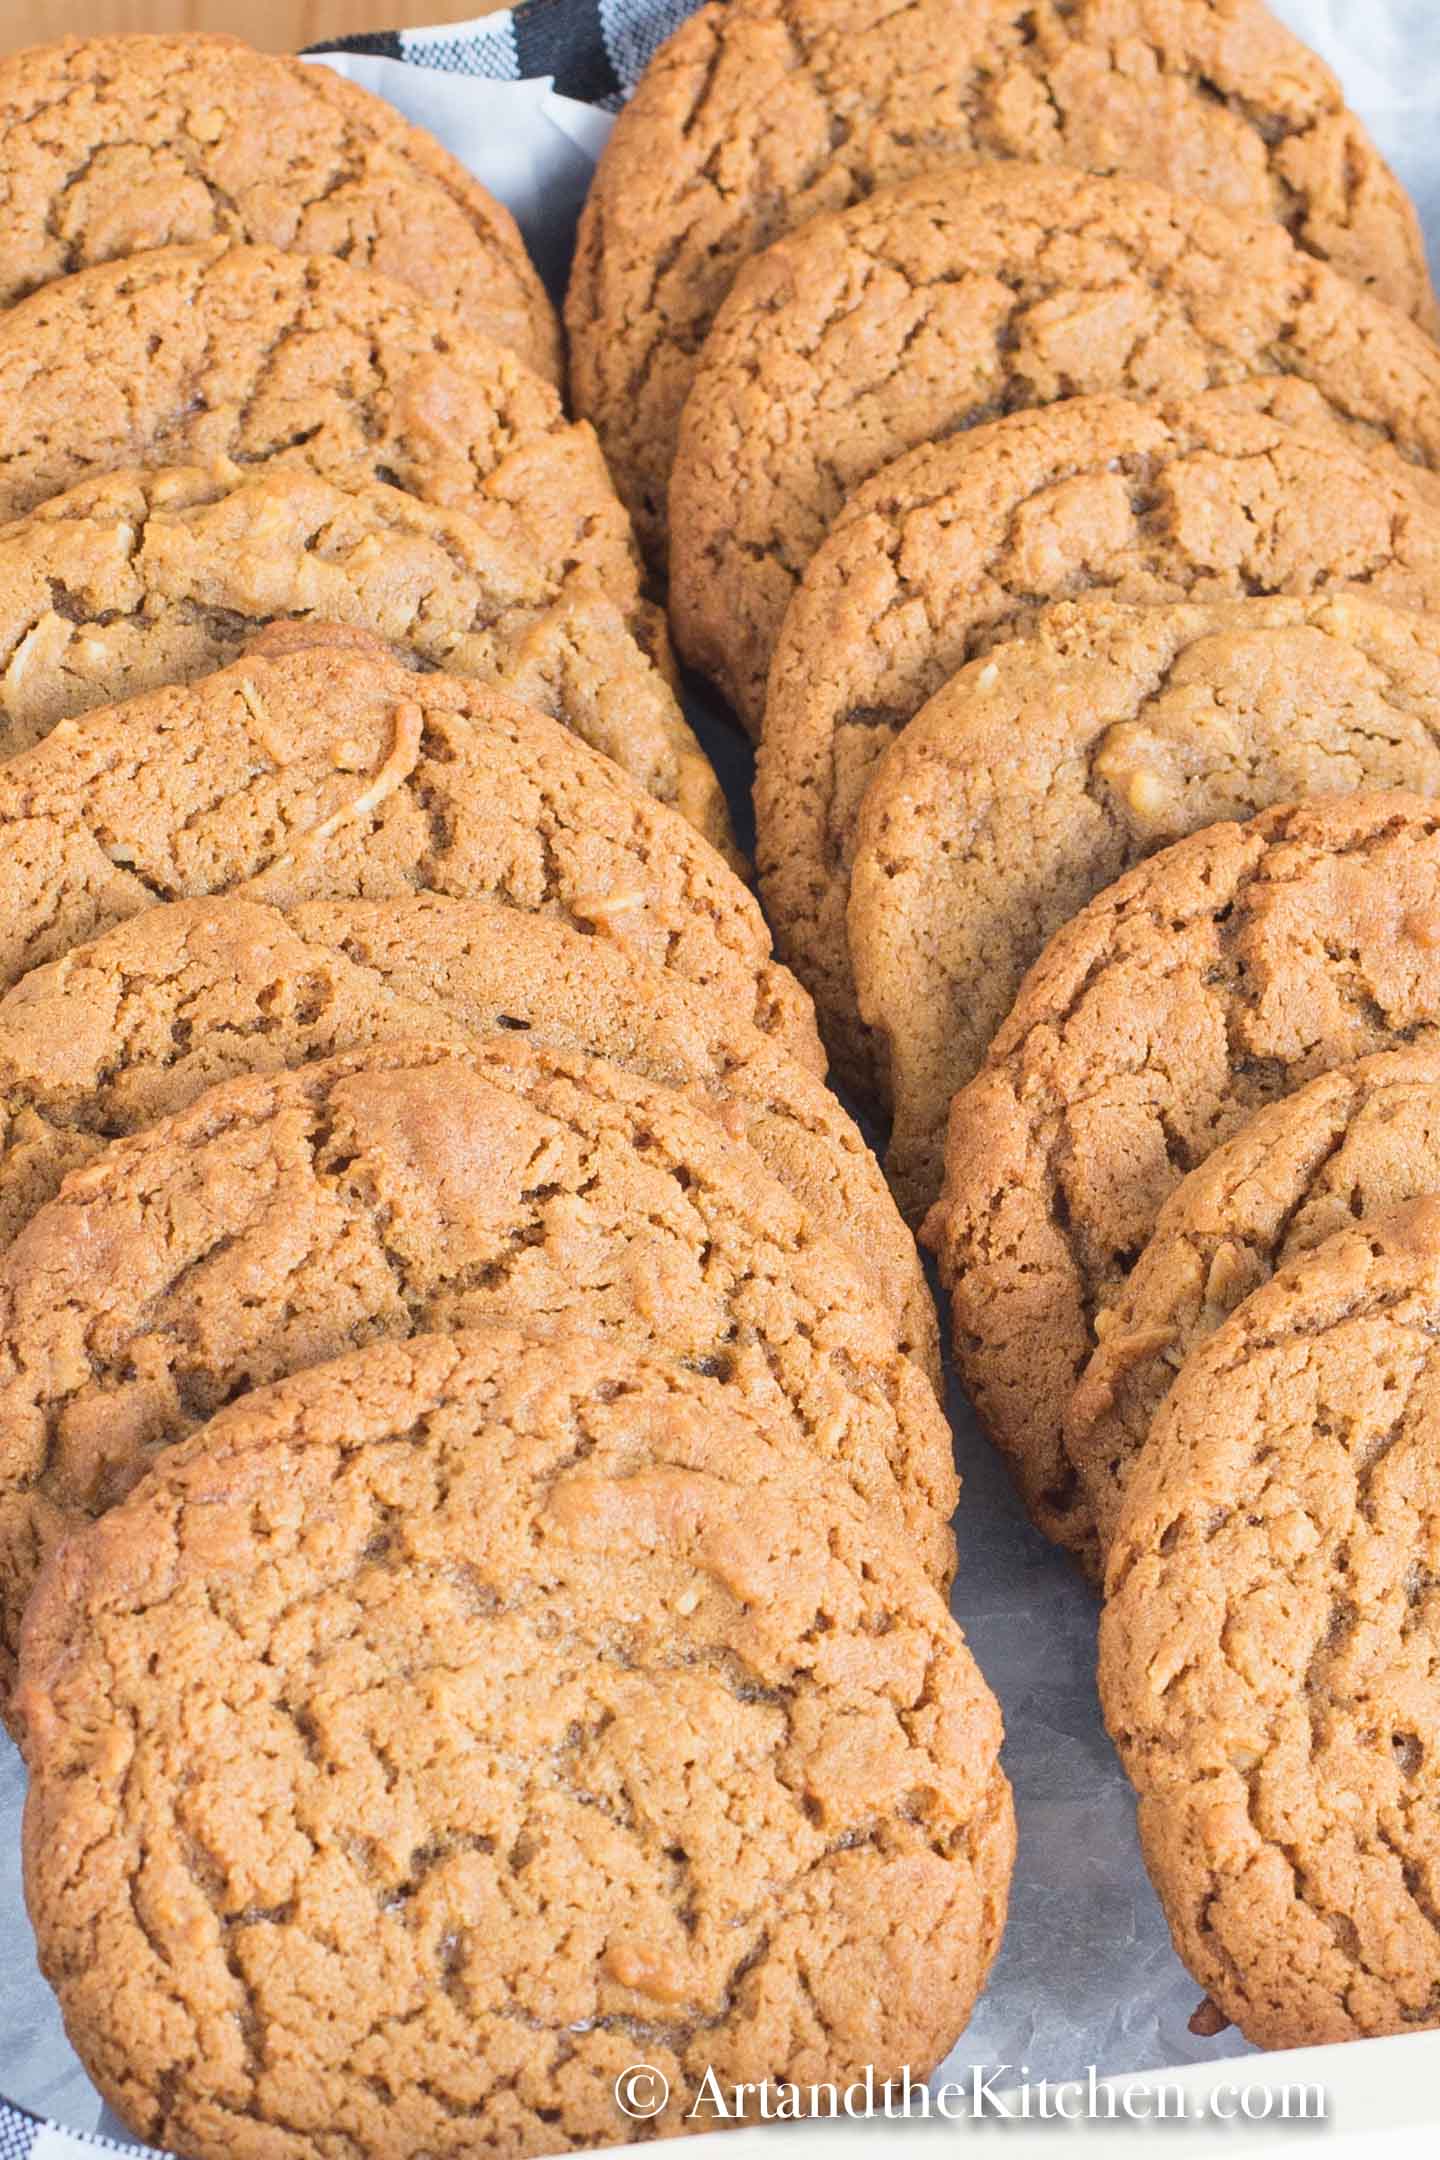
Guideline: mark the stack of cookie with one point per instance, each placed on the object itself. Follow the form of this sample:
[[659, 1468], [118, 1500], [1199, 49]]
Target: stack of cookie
[[1205, 1343], [474, 1501], [1044, 443]]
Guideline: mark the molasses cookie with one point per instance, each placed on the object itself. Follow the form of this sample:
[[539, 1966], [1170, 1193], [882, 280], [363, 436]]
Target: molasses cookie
[[960, 542], [959, 297], [1215, 978], [318, 768], [760, 114], [287, 1217], [113, 145], [133, 1027], [188, 355], [1041, 773], [1358, 1140], [1269, 1648], [145, 578], [550, 1694]]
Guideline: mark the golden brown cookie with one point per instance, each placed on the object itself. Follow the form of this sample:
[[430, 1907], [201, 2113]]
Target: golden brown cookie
[[285, 1218], [1268, 1651], [315, 769], [1358, 1140], [132, 1027], [759, 114], [958, 543], [151, 577], [113, 145], [957, 298], [559, 1711], [1041, 773], [1215, 978], [188, 355]]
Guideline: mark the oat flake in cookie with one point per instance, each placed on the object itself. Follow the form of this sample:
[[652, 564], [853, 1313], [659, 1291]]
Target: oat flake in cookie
[[112, 145], [1218, 976], [1357, 1140], [135, 1025], [284, 1218], [330, 772], [955, 299], [441, 1719], [1243, 491], [1041, 773], [760, 114], [1268, 1651]]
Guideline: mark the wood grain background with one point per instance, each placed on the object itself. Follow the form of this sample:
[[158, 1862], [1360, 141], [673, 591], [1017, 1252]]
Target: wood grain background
[[282, 25]]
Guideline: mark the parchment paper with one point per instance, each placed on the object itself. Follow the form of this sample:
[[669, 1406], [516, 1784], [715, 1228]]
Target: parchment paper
[[1087, 1975]]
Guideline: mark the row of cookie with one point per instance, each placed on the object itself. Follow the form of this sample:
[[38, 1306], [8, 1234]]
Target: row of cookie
[[757, 116], [832, 592], [213, 421], [850, 523], [1218, 1065], [367, 1016], [856, 587], [472, 1031]]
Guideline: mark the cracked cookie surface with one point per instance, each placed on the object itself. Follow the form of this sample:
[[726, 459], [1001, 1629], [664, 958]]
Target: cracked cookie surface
[[1236, 492], [1043, 772], [330, 772], [132, 1027], [1363, 1138], [760, 114], [112, 145], [145, 578], [187, 355], [551, 1697], [1268, 1649], [1215, 978], [287, 1217], [955, 299]]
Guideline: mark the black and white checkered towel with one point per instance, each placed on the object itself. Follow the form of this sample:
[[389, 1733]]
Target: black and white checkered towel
[[596, 50]]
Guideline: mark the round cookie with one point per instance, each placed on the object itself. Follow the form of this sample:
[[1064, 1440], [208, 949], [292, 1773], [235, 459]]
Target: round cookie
[[1360, 1139], [760, 114], [113, 145], [595, 1709], [286, 1217], [959, 542], [330, 772], [1268, 1651], [1040, 774], [957, 298], [145, 578], [189, 355], [132, 1027], [1213, 979]]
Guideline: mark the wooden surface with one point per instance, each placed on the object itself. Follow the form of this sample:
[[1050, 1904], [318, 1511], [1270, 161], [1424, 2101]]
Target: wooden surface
[[282, 25]]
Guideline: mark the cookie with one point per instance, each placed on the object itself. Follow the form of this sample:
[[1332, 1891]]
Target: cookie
[[286, 1217], [559, 1712], [754, 117], [957, 298], [315, 769], [960, 542], [132, 1027], [1268, 1650], [1357, 1140], [145, 578], [188, 355], [1040, 774], [113, 145], [1220, 975]]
